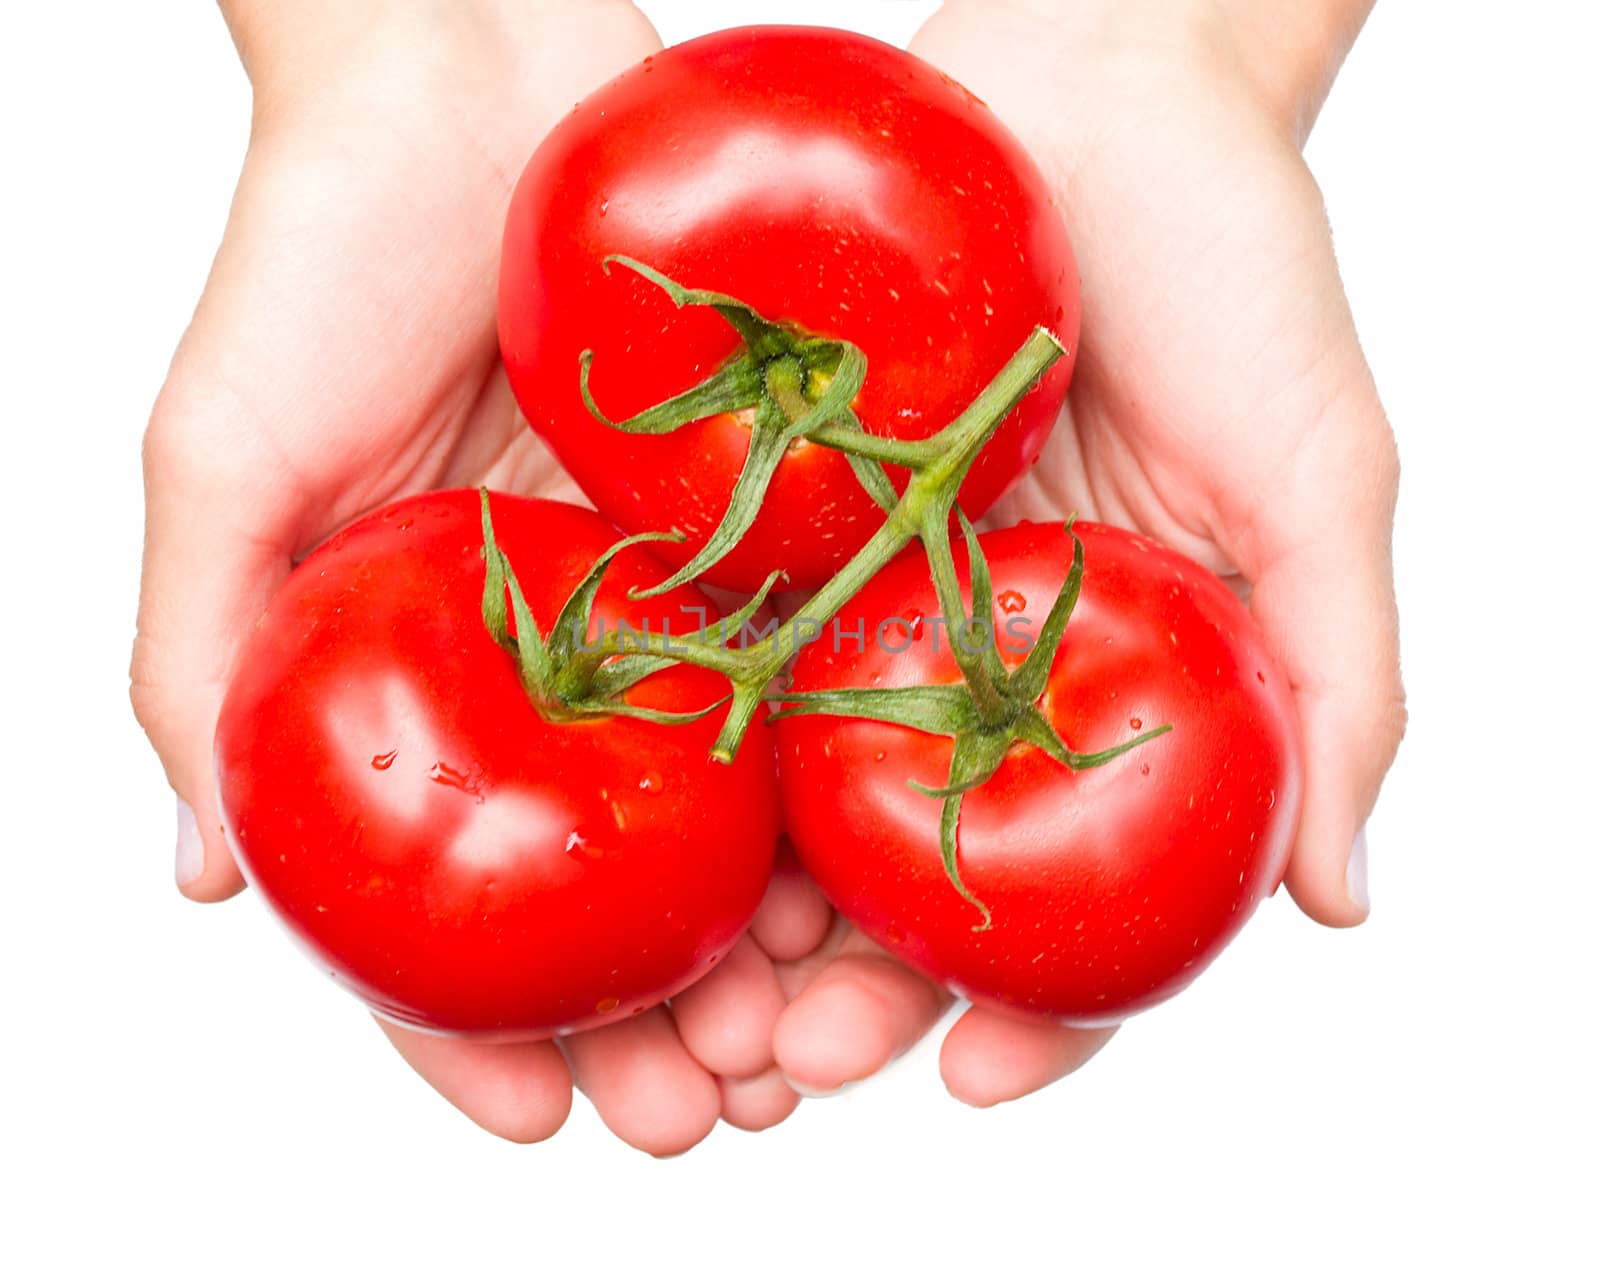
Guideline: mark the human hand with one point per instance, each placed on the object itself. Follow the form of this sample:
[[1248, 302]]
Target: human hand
[[1221, 404], [344, 353]]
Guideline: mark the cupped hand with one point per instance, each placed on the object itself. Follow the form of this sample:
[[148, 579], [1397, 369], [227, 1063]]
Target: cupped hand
[[1221, 404], [343, 354]]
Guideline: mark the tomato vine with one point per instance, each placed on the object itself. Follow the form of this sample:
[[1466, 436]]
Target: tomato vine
[[802, 387]]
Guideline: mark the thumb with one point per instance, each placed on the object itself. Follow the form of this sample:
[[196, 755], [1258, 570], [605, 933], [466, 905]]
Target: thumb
[[205, 581], [1323, 592]]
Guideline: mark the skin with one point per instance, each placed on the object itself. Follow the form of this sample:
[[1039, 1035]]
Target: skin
[[1221, 404]]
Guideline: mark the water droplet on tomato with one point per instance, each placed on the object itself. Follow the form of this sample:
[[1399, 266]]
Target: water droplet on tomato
[[607, 1004], [879, 755], [895, 934], [1260, 677], [918, 628], [650, 783], [1136, 723], [448, 776], [604, 206], [580, 846], [383, 761], [1012, 601], [1145, 769]]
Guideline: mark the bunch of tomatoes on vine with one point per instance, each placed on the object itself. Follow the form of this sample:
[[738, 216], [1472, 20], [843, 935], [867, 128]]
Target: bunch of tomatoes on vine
[[509, 771]]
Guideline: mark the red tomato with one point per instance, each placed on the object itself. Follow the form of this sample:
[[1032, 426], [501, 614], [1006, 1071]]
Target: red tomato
[[829, 181], [1110, 888], [456, 860]]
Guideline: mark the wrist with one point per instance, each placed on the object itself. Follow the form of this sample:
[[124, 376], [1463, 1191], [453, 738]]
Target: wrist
[[292, 50], [1286, 54], [1293, 51], [282, 39]]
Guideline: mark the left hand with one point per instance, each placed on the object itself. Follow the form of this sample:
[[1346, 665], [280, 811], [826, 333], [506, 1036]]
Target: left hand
[[1221, 404]]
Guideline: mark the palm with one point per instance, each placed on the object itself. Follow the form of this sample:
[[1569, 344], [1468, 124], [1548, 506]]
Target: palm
[[375, 311], [1208, 290]]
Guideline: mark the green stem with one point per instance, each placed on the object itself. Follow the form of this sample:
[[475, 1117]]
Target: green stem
[[692, 650], [994, 709], [785, 382], [762, 662], [943, 461], [954, 449], [962, 439], [912, 455]]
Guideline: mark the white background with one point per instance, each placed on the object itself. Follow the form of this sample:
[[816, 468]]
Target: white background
[[177, 1076]]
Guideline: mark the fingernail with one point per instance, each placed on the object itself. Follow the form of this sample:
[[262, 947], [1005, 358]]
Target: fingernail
[[190, 863], [810, 1092], [1355, 872]]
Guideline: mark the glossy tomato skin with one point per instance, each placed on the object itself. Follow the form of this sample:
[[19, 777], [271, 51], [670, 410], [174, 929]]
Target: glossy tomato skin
[[830, 181], [1111, 888], [455, 860]]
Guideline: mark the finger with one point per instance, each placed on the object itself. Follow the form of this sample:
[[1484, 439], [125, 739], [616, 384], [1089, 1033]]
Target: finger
[[794, 917], [795, 975], [1324, 596], [861, 1010], [989, 1057], [521, 1091], [647, 1088], [726, 1019], [757, 1103]]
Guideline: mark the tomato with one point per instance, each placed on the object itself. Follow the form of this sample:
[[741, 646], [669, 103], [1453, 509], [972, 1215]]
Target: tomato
[[458, 861], [1110, 888], [827, 180]]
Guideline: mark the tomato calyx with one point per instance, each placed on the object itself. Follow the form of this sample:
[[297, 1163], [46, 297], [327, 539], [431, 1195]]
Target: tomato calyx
[[993, 709], [794, 384], [545, 662], [571, 675]]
